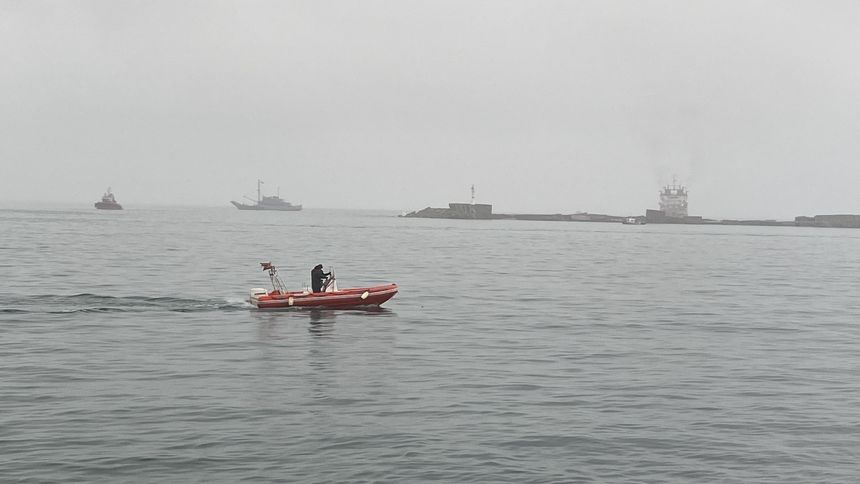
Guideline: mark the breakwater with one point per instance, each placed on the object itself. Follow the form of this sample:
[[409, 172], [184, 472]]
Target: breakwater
[[468, 211]]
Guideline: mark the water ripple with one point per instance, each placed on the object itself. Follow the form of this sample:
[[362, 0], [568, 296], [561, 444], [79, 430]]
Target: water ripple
[[515, 352]]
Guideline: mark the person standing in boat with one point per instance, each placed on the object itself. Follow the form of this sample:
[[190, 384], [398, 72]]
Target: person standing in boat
[[318, 277]]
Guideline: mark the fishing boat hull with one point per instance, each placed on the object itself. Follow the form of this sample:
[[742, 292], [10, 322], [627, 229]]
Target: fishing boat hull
[[108, 206], [359, 297], [281, 208]]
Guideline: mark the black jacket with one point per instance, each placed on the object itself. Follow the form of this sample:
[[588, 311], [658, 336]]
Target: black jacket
[[317, 279]]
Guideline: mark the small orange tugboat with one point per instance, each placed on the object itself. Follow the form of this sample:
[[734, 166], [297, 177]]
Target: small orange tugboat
[[330, 298]]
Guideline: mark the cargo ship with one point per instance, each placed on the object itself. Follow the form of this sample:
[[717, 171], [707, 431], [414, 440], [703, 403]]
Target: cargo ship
[[673, 207], [673, 200], [274, 202]]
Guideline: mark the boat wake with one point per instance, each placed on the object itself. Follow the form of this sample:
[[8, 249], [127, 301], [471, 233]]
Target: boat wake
[[94, 303]]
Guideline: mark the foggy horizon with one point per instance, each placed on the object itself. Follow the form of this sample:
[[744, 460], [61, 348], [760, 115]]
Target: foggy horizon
[[553, 107]]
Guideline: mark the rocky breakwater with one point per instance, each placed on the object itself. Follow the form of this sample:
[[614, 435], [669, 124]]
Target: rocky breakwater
[[847, 221], [468, 211]]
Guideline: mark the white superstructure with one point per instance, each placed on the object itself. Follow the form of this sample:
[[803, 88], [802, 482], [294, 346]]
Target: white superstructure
[[673, 200]]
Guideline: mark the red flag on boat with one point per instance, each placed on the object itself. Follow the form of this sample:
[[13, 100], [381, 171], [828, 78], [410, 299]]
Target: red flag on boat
[[266, 265]]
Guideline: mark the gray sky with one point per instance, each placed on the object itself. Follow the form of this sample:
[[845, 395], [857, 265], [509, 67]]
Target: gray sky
[[545, 106]]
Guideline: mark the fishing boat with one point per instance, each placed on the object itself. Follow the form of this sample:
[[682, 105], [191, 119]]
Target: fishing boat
[[634, 221], [108, 202], [263, 202], [330, 298]]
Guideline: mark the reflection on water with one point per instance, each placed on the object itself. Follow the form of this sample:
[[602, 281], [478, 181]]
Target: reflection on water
[[321, 328], [267, 329], [318, 315], [371, 311], [322, 322]]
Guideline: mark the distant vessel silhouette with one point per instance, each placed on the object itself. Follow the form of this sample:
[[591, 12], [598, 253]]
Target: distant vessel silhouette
[[108, 202], [673, 200], [263, 202]]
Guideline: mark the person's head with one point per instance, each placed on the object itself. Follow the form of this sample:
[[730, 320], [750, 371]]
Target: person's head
[[318, 266]]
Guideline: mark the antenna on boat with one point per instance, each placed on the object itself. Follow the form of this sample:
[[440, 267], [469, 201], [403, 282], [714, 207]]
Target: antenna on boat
[[259, 182], [473, 194], [277, 283]]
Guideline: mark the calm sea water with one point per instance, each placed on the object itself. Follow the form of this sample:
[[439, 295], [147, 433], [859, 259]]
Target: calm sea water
[[515, 351]]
